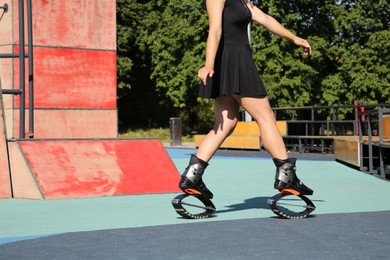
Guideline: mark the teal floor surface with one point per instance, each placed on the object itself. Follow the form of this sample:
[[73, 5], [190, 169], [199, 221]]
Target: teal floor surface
[[241, 187]]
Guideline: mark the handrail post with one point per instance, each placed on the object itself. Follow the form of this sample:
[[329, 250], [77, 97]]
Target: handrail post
[[30, 68], [22, 70], [357, 119]]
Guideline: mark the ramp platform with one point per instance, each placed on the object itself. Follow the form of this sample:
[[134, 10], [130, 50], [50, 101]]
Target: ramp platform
[[5, 187], [53, 169]]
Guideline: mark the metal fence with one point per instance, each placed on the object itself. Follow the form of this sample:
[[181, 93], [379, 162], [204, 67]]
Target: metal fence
[[22, 56], [324, 120]]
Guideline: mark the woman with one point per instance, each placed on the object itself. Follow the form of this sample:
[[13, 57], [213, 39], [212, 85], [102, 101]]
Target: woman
[[231, 78]]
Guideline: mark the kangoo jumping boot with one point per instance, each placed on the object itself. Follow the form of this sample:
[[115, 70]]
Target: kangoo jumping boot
[[191, 179], [286, 179]]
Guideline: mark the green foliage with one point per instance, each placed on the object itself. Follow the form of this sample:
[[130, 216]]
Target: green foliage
[[350, 53], [128, 17], [169, 39], [140, 105], [177, 52], [359, 50], [161, 46]]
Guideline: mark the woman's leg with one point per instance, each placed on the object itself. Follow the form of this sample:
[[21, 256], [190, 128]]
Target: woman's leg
[[226, 113], [260, 109], [285, 178], [226, 110]]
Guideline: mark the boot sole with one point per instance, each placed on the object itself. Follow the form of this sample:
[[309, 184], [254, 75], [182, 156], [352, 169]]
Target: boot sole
[[294, 192]]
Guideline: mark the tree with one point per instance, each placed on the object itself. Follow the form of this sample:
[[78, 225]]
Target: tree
[[175, 35], [360, 51], [161, 45], [138, 102], [350, 51]]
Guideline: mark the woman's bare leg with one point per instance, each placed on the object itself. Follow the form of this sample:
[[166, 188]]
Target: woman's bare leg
[[226, 113], [260, 109], [226, 110], [285, 178]]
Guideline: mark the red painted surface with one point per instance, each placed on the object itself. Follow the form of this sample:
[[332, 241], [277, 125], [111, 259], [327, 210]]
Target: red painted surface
[[71, 123], [74, 67], [6, 76], [5, 184], [70, 169], [71, 23], [67, 78]]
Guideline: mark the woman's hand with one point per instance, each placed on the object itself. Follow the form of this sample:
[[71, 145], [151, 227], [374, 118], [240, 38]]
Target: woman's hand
[[203, 73], [304, 44]]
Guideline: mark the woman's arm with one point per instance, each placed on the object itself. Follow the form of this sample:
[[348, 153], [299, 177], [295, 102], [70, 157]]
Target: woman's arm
[[214, 12], [274, 26]]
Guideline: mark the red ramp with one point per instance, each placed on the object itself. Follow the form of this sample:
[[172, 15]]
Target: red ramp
[[86, 168], [5, 186]]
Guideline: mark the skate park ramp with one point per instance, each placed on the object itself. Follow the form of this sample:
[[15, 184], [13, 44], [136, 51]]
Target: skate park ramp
[[53, 169], [350, 222], [5, 187]]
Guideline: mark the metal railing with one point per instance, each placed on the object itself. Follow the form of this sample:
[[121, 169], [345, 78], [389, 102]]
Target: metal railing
[[372, 126], [22, 55], [315, 124]]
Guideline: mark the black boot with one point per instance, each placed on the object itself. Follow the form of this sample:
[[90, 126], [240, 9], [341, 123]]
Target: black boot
[[191, 179], [286, 178]]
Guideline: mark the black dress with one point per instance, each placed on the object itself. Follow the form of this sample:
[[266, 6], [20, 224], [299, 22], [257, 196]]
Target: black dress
[[234, 69]]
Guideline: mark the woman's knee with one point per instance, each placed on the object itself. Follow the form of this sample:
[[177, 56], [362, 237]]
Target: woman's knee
[[271, 116], [226, 125]]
